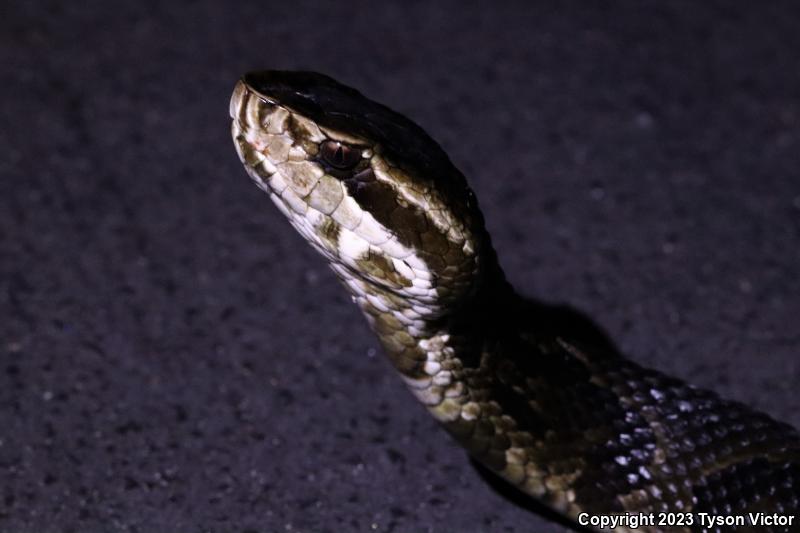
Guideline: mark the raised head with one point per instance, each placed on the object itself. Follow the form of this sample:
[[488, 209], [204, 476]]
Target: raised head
[[363, 184]]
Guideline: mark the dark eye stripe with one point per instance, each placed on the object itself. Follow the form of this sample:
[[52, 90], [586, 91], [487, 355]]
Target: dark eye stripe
[[380, 200]]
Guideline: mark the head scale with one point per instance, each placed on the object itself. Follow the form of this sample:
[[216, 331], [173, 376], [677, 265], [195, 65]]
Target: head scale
[[363, 184]]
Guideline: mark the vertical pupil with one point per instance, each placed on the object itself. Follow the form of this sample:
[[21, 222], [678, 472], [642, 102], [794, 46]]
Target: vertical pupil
[[338, 155]]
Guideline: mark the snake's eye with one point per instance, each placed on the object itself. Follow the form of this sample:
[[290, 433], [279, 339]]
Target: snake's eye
[[339, 156]]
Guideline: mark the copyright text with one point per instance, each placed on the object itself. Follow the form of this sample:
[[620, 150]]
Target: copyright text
[[637, 520]]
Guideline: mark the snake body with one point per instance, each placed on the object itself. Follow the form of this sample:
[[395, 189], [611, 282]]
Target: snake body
[[568, 421]]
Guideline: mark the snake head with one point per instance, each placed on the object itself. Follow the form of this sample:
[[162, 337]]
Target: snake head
[[366, 186]]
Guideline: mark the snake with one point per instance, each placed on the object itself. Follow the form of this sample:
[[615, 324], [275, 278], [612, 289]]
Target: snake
[[605, 443]]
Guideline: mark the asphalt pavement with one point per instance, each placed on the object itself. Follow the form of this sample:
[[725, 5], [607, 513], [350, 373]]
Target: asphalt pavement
[[174, 358]]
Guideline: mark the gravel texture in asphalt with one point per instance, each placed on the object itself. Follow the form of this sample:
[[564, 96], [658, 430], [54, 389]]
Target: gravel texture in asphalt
[[174, 358]]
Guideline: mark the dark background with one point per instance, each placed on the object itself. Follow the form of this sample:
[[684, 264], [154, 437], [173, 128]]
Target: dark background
[[175, 358]]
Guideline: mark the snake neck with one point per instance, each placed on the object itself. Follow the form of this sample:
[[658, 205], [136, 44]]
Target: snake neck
[[432, 345]]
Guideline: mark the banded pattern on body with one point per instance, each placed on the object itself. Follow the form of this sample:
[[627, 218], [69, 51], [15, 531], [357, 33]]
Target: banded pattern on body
[[572, 424]]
